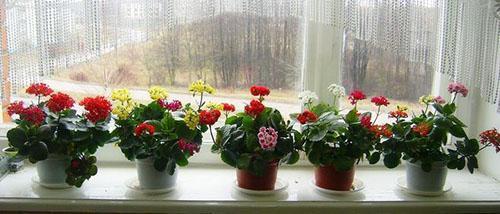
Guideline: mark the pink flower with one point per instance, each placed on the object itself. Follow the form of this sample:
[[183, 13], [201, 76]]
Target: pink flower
[[459, 88], [171, 106], [439, 100], [268, 138], [184, 145]]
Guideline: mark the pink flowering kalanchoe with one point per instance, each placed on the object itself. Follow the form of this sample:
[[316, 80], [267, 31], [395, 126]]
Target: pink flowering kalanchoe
[[439, 100], [268, 138], [184, 145], [459, 88]]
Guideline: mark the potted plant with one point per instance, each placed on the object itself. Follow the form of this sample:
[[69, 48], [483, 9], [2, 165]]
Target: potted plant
[[334, 143], [256, 142], [57, 138], [161, 134], [423, 141]]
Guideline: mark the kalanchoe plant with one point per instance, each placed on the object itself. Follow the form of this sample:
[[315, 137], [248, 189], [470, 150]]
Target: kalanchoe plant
[[252, 139], [165, 130], [54, 127], [331, 139], [424, 138]]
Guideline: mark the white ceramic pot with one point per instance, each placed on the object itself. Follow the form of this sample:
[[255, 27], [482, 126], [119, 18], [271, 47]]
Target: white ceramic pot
[[152, 179], [52, 171], [419, 180]]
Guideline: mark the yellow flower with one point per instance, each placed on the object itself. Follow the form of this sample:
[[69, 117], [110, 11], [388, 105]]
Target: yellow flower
[[215, 106], [122, 95], [191, 119], [426, 99], [123, 110], [402, 107], [157, 92], [200, 86]]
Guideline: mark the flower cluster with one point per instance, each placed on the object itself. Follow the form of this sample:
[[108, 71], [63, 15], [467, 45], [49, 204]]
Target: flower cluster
[[201, 87], [381, 130], [186, 146], [191, 119], [365, 120], [16, 107], [59, 102], [307, 97], [491, 137], [257, 90], [122, 95], [268, 138], [380, 101], [98, 108], [39, 89], [426, 99], [33, 114], [123, 103], [399, 113], [175, 105], [307, 116], [458, 88], [228, 107], [439, 100], [254, 108], [144, 128], [209, 117], [336, 90], [356, 96], [157, 92], [215, 106], [423, 129]]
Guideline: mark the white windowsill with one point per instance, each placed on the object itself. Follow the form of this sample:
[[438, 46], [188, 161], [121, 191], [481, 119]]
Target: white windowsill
[[208, 189]]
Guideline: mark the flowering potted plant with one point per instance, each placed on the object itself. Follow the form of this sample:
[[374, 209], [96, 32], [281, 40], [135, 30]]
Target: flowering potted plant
[[255, 142], [423, 142], [161, 134], [58, 138], [335, 143]]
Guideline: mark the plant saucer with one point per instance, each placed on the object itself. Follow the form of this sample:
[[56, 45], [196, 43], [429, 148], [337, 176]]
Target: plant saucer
[[357, 185], [279, 187], [134, 184], [402, 185], [36, 180]]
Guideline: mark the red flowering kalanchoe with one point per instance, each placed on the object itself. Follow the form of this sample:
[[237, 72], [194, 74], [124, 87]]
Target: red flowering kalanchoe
[[171, 106], [144, 128], [380, 101], [15, 108], [423, 129], [209, 117], [365, 120], [186, 146], [33, 115], [490, 137], [228, 107], [75, 163], [59, 102], [307, 116], [258, 90], [39, 89], [98, 108], [356, 96], [459, 88], [254, 108]]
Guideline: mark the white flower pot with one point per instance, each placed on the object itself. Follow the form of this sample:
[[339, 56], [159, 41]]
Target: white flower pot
[[152, 179], [419, 180], [52, 171]]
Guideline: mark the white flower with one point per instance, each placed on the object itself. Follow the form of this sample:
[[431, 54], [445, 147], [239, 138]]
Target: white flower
[[336, 90], [307, 97]]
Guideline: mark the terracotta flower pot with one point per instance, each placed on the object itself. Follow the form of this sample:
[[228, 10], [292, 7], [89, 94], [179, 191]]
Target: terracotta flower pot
[[247, 180], [328, 177]]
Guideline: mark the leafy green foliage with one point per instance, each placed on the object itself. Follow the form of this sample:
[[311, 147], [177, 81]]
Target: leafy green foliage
[[238, 145]]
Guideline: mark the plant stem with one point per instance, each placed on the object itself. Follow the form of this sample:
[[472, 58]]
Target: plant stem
[[201, 101], [211, 134], [376, 117]]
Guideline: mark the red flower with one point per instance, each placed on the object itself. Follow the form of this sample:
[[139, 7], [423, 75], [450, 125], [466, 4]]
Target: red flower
[[380, 101], [209, 117], [75, 164], [228, 107], [423, 129], [39, 89], [398, 114], [144, 127], [33, 114], [355, 96], [15, 108], [59, 102], [184, 145], [379, 130], [258, 90], [98, 108], [255, 108], [366, 120], [492, 136], [307, 116]]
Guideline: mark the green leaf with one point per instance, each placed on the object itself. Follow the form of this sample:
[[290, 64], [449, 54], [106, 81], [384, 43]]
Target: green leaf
[[472, 164], [38, 151], [171, 166], [243, 161], [294, 157], [351, 117], [449, 108], [457, 131], [456, 121], [461, 163], [17, 137], [427, 167], [229, 158], [248, 123], [471, 146], [160, 164], [392, 160], [374, 158], [438, 108], [93, 170], [343, 163]]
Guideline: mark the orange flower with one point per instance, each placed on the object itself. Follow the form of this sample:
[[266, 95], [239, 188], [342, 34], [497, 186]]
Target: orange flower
[[423, 129]]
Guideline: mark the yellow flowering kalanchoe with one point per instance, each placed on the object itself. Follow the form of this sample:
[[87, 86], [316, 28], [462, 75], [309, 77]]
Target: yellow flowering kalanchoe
[[200, 86], [426, 99], [191, 119], [157, 92], [402, 107], [122, 95], [123, 109], [215, 106]]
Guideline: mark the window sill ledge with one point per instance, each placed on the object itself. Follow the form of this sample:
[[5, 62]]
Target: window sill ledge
[[208, 189]]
